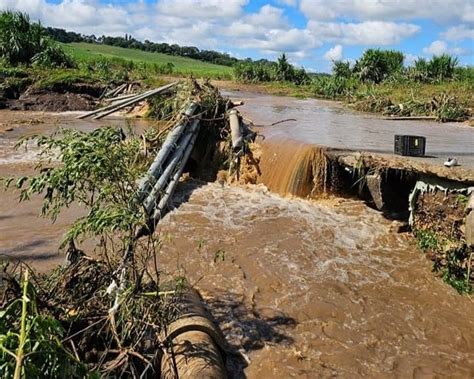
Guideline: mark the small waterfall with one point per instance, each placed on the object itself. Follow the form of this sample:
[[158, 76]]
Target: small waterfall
[[298, 169]]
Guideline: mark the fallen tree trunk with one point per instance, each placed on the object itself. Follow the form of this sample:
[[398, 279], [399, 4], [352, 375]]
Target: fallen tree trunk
[[126, 103], [235, 129]]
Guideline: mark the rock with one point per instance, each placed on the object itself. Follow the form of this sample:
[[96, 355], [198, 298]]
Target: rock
[[469, 227]]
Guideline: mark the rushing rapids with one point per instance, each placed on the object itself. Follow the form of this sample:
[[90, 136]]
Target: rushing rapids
[[300, 288]]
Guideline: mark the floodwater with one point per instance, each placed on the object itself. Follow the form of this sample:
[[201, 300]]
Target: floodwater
[[327, 123], [300, 288]]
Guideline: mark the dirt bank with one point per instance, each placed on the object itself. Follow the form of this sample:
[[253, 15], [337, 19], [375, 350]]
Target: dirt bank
[[57, 98]]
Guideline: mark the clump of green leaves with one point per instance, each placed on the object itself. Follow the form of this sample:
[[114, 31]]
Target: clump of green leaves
[[427, 241], [30, 342], [97, 170], [25, 42], [456, 271], [53, 56], [452, 260], [376, 65]]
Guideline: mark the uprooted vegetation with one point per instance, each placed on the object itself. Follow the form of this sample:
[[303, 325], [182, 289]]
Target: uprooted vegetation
[[108, 315]]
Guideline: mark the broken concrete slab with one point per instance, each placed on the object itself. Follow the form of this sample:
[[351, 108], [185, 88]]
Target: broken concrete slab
[[374, 184]]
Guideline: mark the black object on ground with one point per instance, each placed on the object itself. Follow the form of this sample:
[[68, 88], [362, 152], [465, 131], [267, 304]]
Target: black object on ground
[[410, 145]]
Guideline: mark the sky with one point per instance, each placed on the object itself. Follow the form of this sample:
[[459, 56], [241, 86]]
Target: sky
[[313, 33]]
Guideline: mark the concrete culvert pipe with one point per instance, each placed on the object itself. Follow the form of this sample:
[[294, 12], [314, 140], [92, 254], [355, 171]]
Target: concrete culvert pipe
[[235, 129], [195, 344]]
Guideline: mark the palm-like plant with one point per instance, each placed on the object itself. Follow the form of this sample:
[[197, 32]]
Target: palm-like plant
[[20, 39], [442, 67]]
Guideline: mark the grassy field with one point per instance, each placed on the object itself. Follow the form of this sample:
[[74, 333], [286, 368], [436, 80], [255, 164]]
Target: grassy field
[[182, 65]]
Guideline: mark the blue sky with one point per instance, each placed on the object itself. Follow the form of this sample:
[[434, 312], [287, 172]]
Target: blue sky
[[311, 32]]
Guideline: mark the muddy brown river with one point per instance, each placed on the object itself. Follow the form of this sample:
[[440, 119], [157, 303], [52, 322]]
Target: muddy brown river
[[304, 289]]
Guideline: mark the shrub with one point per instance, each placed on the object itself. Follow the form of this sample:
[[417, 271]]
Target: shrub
[[341, 69], [464, 74], [20, 40], [53, 56], [24, 42], [442, 67], [334, 87], [376, 65], [420, 71], [252, 72], [281, 71]]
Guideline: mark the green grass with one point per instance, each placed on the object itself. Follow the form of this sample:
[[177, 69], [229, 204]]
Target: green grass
[[88, 51]]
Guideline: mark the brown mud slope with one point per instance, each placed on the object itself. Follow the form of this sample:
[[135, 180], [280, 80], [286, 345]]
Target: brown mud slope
[[60, 98], [440, 228]]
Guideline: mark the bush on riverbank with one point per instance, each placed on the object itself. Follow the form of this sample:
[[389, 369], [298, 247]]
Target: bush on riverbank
[[279, 71], [24, 42], [379, 83]]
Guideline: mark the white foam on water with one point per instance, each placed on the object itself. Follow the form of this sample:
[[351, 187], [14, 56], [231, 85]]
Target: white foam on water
[[345, 245]]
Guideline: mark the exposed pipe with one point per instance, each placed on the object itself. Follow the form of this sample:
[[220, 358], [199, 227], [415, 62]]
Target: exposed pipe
[[158, 213], [235, 129], [151, 199], [156, 168], [126, 101]]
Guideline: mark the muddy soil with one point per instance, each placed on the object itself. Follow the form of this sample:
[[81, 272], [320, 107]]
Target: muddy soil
[[60, 98]]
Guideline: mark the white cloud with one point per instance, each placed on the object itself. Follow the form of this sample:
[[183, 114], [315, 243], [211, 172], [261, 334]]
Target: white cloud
[[201, 9], [436, 48], [457, 33], [441, 47], [387, 10], [279, 41], [364, 33], [267, 17], [334, 53]]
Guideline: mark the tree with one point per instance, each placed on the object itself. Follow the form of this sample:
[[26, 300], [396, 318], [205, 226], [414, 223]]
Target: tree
[[283, 70]]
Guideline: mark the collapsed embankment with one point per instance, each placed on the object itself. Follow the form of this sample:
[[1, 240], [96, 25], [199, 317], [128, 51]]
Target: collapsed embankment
[[440, 215], [58, 97]]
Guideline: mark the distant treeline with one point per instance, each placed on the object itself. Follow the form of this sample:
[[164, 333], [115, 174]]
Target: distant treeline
[[128, 41]]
